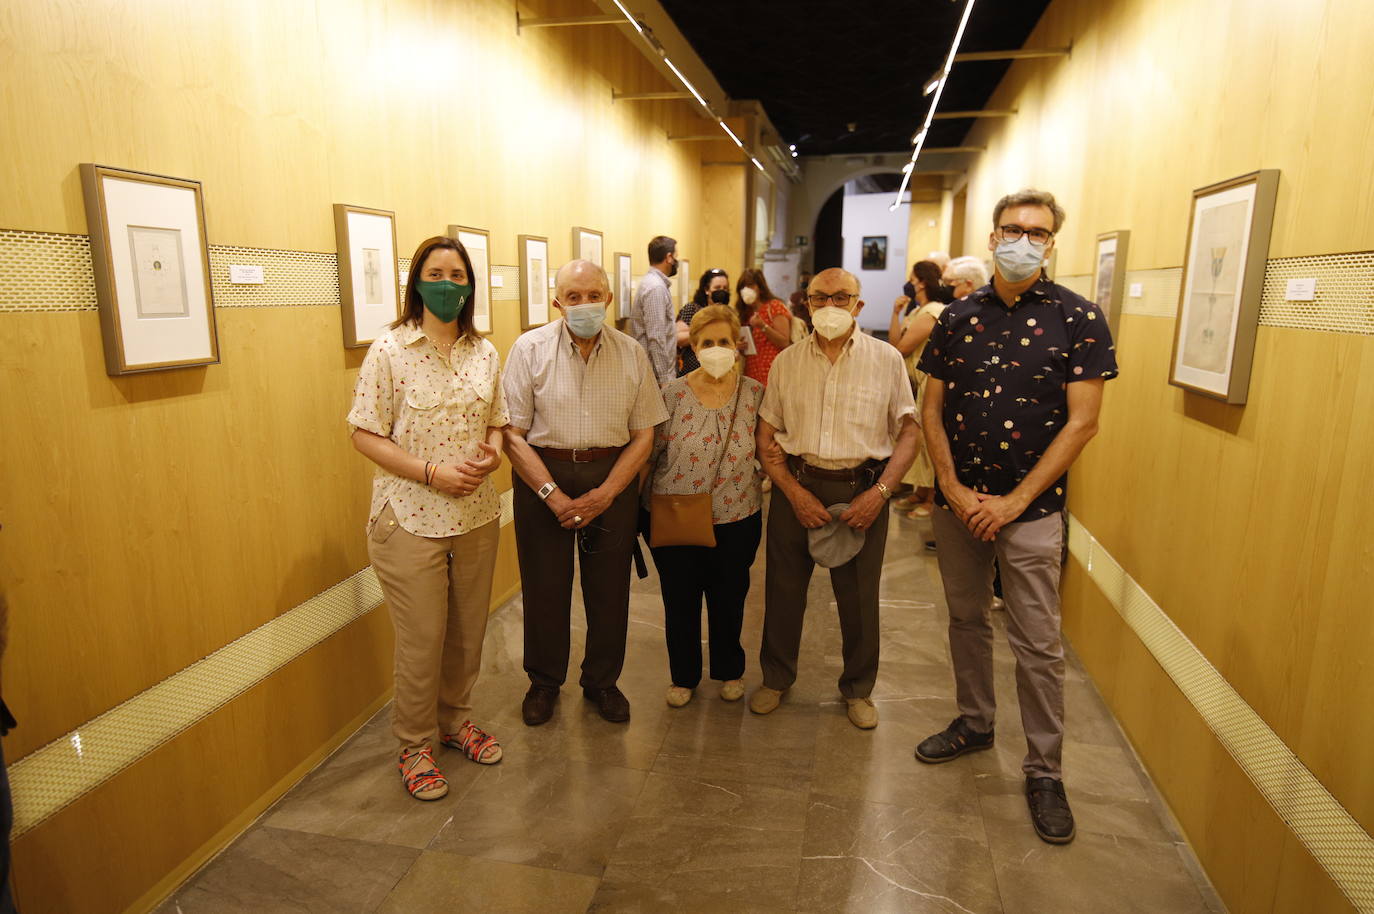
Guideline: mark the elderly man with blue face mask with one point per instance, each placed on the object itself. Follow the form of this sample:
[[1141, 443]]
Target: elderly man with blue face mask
[[583, 403], [1016, 372]]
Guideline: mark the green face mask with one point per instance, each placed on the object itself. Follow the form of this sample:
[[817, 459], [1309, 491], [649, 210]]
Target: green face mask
[[444, 299]]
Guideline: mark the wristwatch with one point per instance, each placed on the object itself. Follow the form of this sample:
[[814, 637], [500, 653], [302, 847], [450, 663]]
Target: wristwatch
[[546, 490], [884, 491]]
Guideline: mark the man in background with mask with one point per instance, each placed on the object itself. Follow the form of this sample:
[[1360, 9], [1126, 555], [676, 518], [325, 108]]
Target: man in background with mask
[[836, 427], [583, 404], [1016, 376], [651, 316]]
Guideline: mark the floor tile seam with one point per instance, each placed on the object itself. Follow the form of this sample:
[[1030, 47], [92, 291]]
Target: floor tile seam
[[987, 838], [395, 885]]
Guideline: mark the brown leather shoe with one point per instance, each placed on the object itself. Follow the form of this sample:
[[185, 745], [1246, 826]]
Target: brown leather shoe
[[537, 707], [611, 703]]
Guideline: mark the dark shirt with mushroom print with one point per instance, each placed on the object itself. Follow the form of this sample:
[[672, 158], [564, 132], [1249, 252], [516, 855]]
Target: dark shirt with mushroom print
[[1005, 372]]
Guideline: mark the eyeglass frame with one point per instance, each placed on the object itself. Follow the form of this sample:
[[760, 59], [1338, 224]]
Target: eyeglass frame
[[1000, 233], [825, 300]]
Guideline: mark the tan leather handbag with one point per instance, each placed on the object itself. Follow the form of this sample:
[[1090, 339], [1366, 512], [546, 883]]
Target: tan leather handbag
[[686, 520]]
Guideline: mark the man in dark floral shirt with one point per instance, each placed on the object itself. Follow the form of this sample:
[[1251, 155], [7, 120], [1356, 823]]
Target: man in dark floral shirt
[[1016, 376]]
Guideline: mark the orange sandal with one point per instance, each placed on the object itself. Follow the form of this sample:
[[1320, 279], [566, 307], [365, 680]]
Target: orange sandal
[[421, 776], [475, 743]]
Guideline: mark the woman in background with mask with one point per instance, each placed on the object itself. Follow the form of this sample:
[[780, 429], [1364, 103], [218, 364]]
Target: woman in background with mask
[[712, 289], [909, 334], [768, 321], [707, 445], [428, 411]]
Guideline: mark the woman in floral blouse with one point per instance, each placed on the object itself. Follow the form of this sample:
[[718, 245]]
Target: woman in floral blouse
[[428, 411], [707, 444]]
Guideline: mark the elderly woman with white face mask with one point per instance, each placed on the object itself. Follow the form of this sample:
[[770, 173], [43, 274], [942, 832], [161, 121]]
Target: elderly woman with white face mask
[[707, 448]]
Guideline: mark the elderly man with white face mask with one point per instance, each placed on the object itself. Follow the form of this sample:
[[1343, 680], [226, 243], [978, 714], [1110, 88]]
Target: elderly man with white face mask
[[840, 411], [583, 403]]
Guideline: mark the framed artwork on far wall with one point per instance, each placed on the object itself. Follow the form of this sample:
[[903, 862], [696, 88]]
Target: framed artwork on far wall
[[586, 245], [873, 255], [478, 244], [685, 286], [369, 287], [623, 281], [1109, 276], [534, 280], [151, 262], [1223, 279]]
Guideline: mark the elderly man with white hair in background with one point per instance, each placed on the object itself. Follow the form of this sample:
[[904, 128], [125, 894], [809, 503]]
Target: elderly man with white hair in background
[[837, 430], [965, 274], [583, 402]]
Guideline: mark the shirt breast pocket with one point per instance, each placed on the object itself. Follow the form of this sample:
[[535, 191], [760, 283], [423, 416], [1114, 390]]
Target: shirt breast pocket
[[869, 406], [424, 398]]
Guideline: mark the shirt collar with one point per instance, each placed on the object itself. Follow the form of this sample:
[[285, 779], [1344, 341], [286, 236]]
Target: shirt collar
[[667, 280], [814, 341]]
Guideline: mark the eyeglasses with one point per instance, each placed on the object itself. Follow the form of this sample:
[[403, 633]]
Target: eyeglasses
[[1012, 233], [841, 299]]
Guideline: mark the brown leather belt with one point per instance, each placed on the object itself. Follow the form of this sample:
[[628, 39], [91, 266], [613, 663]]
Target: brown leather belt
[[800, 466], [578, 455]]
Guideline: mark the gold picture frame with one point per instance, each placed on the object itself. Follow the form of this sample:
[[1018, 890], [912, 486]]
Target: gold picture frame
[[369, 283], [535, 301], [588, 244], [150, 257], [1229, 226], [1109, 277], [478, 244]]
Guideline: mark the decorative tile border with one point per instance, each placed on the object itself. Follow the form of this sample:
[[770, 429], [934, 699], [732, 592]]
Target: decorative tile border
[[1318, 820]]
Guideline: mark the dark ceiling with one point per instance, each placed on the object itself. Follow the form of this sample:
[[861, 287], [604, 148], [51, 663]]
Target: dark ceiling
[[820, 65]]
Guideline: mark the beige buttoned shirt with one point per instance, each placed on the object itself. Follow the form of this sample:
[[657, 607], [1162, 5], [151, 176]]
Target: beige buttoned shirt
[[565, 402], [437, 409], [838, 416]]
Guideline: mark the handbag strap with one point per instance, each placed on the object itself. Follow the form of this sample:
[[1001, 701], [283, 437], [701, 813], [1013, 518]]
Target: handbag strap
[[734, 414]]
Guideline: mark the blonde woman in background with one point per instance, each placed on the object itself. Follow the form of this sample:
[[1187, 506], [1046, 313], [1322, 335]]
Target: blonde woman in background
[[429, 411], [909, 334]]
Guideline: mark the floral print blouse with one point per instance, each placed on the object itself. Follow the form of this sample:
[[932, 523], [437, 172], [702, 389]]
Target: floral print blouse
[[688, 446], [437, 409]]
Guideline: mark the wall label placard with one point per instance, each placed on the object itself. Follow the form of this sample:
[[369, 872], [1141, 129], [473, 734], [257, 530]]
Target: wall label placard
[[246, 274], [1301, 289]]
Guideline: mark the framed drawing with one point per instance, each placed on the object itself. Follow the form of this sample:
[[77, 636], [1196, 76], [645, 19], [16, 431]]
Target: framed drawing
[[1223, 278], [1109, 276], [874, 253], [624, 286], [586, 245], [478, 244], [369, 288], [151, 263], [685, 286], [534, 280]]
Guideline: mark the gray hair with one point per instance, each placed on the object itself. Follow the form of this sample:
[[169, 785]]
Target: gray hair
[[573, 266], [968, 269], [1029, 197]]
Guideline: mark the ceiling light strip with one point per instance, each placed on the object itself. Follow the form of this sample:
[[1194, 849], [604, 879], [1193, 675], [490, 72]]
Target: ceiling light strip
[[934, 103], [658, 49]]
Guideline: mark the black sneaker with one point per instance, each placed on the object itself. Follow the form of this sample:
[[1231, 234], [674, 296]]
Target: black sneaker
[[1049, 810], [954, 741]]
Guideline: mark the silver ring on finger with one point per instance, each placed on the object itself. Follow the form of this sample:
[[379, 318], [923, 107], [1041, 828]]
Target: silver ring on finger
[[577, 518]]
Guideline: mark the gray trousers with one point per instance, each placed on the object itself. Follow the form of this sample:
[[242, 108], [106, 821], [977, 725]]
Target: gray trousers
[[855, 583], [1028, 555]]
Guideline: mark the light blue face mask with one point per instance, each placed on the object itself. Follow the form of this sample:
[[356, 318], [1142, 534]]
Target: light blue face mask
[[1018, 260], [584, 321]]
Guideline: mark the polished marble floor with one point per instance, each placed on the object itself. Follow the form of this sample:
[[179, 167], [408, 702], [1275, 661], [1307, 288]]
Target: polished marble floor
[[708, 808]]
